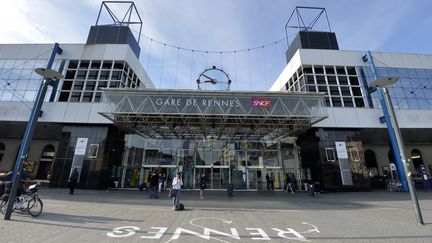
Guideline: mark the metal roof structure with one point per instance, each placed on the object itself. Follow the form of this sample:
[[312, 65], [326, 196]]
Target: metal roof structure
[[165, 113]]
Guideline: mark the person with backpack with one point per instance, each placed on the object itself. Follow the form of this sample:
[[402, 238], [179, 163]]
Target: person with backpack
[[289, 184], [203, 186], [73, 179], [177, 183]]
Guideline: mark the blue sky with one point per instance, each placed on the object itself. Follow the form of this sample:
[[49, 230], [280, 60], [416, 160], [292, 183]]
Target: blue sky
[[379, 25]]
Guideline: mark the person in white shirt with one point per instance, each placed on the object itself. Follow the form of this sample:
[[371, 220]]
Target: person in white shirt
[[177, 183]]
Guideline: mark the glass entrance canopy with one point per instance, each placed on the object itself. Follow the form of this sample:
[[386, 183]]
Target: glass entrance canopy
[[165, 113]]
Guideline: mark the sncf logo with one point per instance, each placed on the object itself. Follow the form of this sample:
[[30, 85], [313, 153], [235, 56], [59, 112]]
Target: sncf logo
[[260, 102]]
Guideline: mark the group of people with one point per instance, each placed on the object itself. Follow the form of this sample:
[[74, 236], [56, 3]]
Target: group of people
[[289, 184], [157, 183]]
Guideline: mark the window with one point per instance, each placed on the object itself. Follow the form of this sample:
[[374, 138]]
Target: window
[[116, 75], [73, 64], [307, 69], [348, 102], [345, 91], [70, 74], [319, 69], [343, 80], [93, 74], [320, 79], [81, 74], [330, 154], [118, 65], [340, 70], [356, 91], [87, 97], [64, 96], [331, 79], [330, 70], [107, 64], [67, 85], [354, 80], [311, 88], [90, 85], [351, 71], [95, 64], [334, 90], [104, 75], [75, 97], [84, 64], [336, 101]]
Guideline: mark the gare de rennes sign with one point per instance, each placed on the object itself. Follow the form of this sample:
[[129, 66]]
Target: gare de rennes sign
[[208, 102]]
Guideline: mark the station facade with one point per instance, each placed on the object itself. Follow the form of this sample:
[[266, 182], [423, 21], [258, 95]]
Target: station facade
[[319, 121]]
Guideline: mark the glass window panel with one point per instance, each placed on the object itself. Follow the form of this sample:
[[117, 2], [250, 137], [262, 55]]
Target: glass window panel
[[320, 79], [327, 100], [336, 101], [353, 80], [7, 95], [64, 96], [78, 85], [21, 84], [118, 65], [351, 71], [81, 74], [33, 84], [329, 70], [93, 74], [75, 97], [299, 71], [412, 104], [67, 85], [311, 88], [334, 90], [322, 89], [423, 104], [95, 64], [30, 95], [307, 69], [356, 91], [104, 75], [87, 97], [70, 74], [116, 75], [107, 64], [97, 96], [343, 80], [345, 91], [330, 154], [348, 102], [90, 85], [340, 70], [102, 84], [84, 64], [73, 64], [319, 69], [114, 84], [331, 79]]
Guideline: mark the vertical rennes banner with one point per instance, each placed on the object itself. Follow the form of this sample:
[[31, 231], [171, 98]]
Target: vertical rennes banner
[[344, 165], [78, 159]]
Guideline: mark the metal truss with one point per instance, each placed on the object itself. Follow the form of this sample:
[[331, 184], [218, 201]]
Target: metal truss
[[191, 113], [126, 19]]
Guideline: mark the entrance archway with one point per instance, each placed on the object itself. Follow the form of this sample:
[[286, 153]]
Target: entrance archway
[[371, 162], [417, 160], [45, 163]]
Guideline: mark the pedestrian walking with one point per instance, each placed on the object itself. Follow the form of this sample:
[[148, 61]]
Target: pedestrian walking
[[154, 182], [289, 184], [161, 182], [73, 179], [203, 186], [177, 183]]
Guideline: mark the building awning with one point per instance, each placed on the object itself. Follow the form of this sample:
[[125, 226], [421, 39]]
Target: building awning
[[192, 113]]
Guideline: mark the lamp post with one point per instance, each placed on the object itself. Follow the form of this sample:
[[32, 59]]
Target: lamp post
[[49, 76], [383, 83]]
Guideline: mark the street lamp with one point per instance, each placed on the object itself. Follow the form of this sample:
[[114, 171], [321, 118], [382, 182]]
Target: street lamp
[[49, 77], [383, 83]]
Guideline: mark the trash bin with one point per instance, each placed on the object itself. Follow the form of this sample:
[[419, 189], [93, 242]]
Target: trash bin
[[230, 190]]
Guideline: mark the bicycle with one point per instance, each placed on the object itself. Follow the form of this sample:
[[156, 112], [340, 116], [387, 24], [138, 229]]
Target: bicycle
[[30, 196]]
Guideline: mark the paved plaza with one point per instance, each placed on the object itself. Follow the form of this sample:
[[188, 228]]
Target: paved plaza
[[130, 216]]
